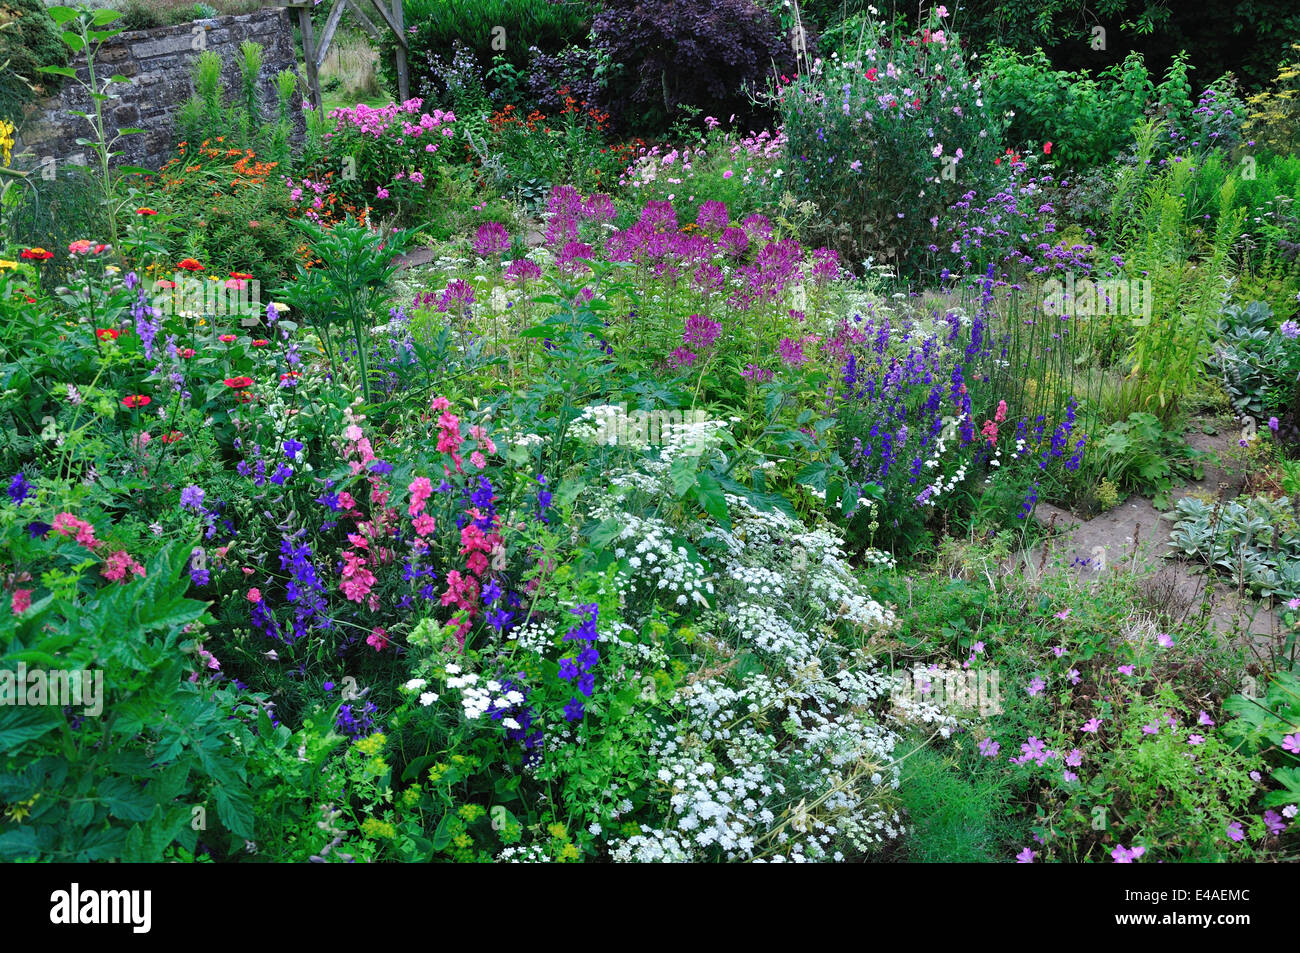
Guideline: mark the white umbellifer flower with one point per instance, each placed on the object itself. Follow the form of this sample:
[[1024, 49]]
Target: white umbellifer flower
[[452, 668], [415, 684], [510, 723], [428, 698]]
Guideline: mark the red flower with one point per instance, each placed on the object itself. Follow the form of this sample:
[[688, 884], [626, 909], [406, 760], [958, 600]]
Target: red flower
[[137, 400], [37, 254], [164, 283], [238, 383], [226, 338], [1047, 148], [186, 352], [261, 342], [171, 437], [145, 211], [105, 334], [240, 274], [189, 264]]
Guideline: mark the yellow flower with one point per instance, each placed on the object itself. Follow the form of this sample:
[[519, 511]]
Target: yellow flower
[[472, 812], [372, 827], [568, 852], [557, 830], [6, 142], [5, 264], [372, 745], [462, 840], [20, 810]]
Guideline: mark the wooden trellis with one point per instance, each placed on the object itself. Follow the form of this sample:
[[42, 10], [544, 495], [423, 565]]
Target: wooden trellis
[[314, 53]]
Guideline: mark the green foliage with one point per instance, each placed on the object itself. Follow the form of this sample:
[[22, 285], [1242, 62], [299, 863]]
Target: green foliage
[[1254, 540], [155, 765], [1137, 454], [485, 28], [29, 39], [857, 160]]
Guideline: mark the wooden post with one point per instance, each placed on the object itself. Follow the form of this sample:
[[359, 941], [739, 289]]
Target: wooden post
[[403, 78], [309, 54], [327, 34], [365, 20]]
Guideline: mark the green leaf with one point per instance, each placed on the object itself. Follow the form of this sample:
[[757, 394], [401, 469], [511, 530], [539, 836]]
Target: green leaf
[[104, 15], [709, 494], [58, 71], [442, 836], [682, 472], [21, 724], [61, 15], [74, 41], [125, 800], [235, 808], [19, 843]]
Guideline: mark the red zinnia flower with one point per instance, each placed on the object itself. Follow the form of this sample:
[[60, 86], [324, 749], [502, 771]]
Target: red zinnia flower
[[105, 334], [226, 338], [1047, 148], [240, 274], [189, 264], [145, 211], [137, 400], [261, 342], [37, 254], [238, 383]]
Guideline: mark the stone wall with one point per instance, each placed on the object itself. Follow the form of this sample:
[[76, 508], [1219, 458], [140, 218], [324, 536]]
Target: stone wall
[[159, 64]]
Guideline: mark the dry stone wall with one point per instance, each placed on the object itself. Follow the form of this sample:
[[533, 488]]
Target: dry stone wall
[[159, 64]]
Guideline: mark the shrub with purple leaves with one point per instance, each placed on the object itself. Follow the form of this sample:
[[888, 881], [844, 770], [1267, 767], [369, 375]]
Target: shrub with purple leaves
[[688, 53]]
